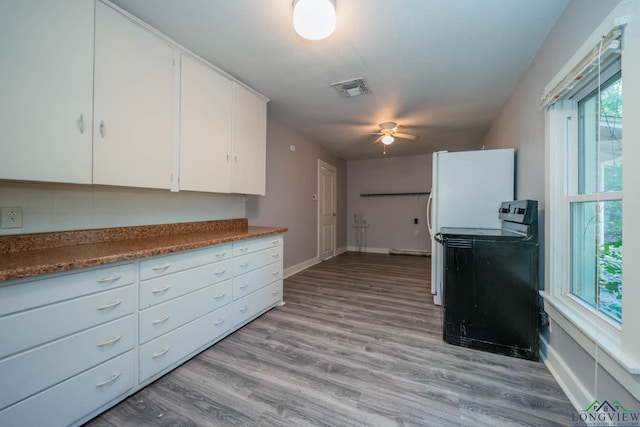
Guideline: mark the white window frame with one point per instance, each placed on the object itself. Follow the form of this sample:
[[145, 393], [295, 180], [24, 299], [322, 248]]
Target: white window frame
[[615, 347]]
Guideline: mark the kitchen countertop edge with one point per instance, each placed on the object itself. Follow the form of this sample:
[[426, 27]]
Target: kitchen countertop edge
[[39, 262]]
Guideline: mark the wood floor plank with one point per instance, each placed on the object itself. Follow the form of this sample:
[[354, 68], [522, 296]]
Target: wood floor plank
[[358, 343]]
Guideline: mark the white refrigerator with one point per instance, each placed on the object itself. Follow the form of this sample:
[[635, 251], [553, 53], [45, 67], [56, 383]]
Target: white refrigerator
[[467, 189]]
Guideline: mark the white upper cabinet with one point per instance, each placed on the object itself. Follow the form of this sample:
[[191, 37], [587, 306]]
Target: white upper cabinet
[[249, 142], [205, 128], [136, 76], [46, 90]]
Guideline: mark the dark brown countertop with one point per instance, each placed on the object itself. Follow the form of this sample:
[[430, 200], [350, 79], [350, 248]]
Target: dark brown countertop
[[30, 255]]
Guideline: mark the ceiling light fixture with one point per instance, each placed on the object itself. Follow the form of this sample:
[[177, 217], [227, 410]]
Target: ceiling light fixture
[[387, 139], [314, 19]]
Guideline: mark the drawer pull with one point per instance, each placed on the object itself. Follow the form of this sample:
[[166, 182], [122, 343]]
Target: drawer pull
[[220, 254], [275, 241], [244, 286], [165, 288], [243, 308], [160, 353], [244, 265], [276, 256], [111, 379], [221, 272], [275, 273], [244, 249], [161, 267], [109, 341], [276, 292], [218, 322], [109, 279], [219, 296], [109, 305], [161, 320]]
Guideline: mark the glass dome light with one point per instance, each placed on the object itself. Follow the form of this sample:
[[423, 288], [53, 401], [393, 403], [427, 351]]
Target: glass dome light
[[314, 19]]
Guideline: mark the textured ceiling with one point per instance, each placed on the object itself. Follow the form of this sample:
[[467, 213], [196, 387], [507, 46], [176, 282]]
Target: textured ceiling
[[441, 68]]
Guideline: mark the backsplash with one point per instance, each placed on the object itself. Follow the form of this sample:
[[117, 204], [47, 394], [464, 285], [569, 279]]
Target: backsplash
[[60, 207]]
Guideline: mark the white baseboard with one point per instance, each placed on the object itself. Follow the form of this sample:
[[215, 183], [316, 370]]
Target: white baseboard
[[290, 271], [578, 395], [370, 250]]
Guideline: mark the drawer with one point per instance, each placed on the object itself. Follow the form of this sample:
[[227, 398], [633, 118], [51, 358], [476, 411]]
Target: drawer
[[248, 307], [30, 372], [244, 247], [36, 293], [164, 288], [164, 317], [71, 400], [245, 263], [256, 279], [168, 349], [167, 264], [23, 330]]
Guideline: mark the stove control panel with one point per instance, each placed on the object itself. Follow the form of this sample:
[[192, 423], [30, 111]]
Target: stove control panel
[[519, 211]]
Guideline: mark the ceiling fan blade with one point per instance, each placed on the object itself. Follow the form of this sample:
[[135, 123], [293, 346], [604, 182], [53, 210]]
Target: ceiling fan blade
[[406, 136], [378, 139]]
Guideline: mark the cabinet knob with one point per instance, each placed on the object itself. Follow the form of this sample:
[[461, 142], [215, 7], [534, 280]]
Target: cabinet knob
[[111, 379], [109, 341], [81, 124], [160, 353], [102, 129], [109, 279], [109, 305], [161, 320]]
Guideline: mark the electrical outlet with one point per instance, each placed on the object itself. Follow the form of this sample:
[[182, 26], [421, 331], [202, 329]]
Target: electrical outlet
[[11, 218], [417, 232]]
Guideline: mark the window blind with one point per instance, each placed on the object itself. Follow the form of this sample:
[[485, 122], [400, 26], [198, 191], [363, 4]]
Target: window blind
[[605, 53]]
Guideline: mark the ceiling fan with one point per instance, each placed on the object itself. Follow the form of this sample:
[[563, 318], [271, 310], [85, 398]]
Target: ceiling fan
[[389, 132]]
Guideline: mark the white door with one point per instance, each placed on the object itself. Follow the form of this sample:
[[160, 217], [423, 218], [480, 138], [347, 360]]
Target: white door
[[326, 210]]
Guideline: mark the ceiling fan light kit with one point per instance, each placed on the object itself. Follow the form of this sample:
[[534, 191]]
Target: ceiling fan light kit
[[314, 19], [389, 132]]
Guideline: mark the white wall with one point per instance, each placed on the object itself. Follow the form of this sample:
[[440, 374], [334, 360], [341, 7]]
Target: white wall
[[292, 179], [57, 207], [391, 218], [521, 125]]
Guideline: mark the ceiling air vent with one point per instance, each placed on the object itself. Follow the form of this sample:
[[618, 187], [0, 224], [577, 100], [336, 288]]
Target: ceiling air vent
[[353, 87]]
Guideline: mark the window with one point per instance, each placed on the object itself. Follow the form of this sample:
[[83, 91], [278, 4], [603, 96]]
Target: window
[[595, 204], [591, 200]]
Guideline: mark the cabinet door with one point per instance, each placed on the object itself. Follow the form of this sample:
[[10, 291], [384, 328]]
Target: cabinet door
[[134, 95], [205, 128], [249, 142], [46, 87]]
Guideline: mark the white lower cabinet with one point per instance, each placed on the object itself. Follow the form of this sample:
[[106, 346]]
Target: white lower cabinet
[[248, 307], [164, 317], [74, 344], [67, 402], [165, 351]]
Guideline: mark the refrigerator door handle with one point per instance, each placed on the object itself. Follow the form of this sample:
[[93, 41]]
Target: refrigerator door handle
[[429, 213]]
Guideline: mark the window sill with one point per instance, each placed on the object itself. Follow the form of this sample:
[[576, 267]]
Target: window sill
[[595, 337]]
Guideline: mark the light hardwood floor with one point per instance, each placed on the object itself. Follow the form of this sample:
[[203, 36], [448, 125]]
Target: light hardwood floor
[[358, 343]]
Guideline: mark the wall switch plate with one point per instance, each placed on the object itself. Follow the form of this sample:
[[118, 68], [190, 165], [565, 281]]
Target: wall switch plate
[[11, 218]]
